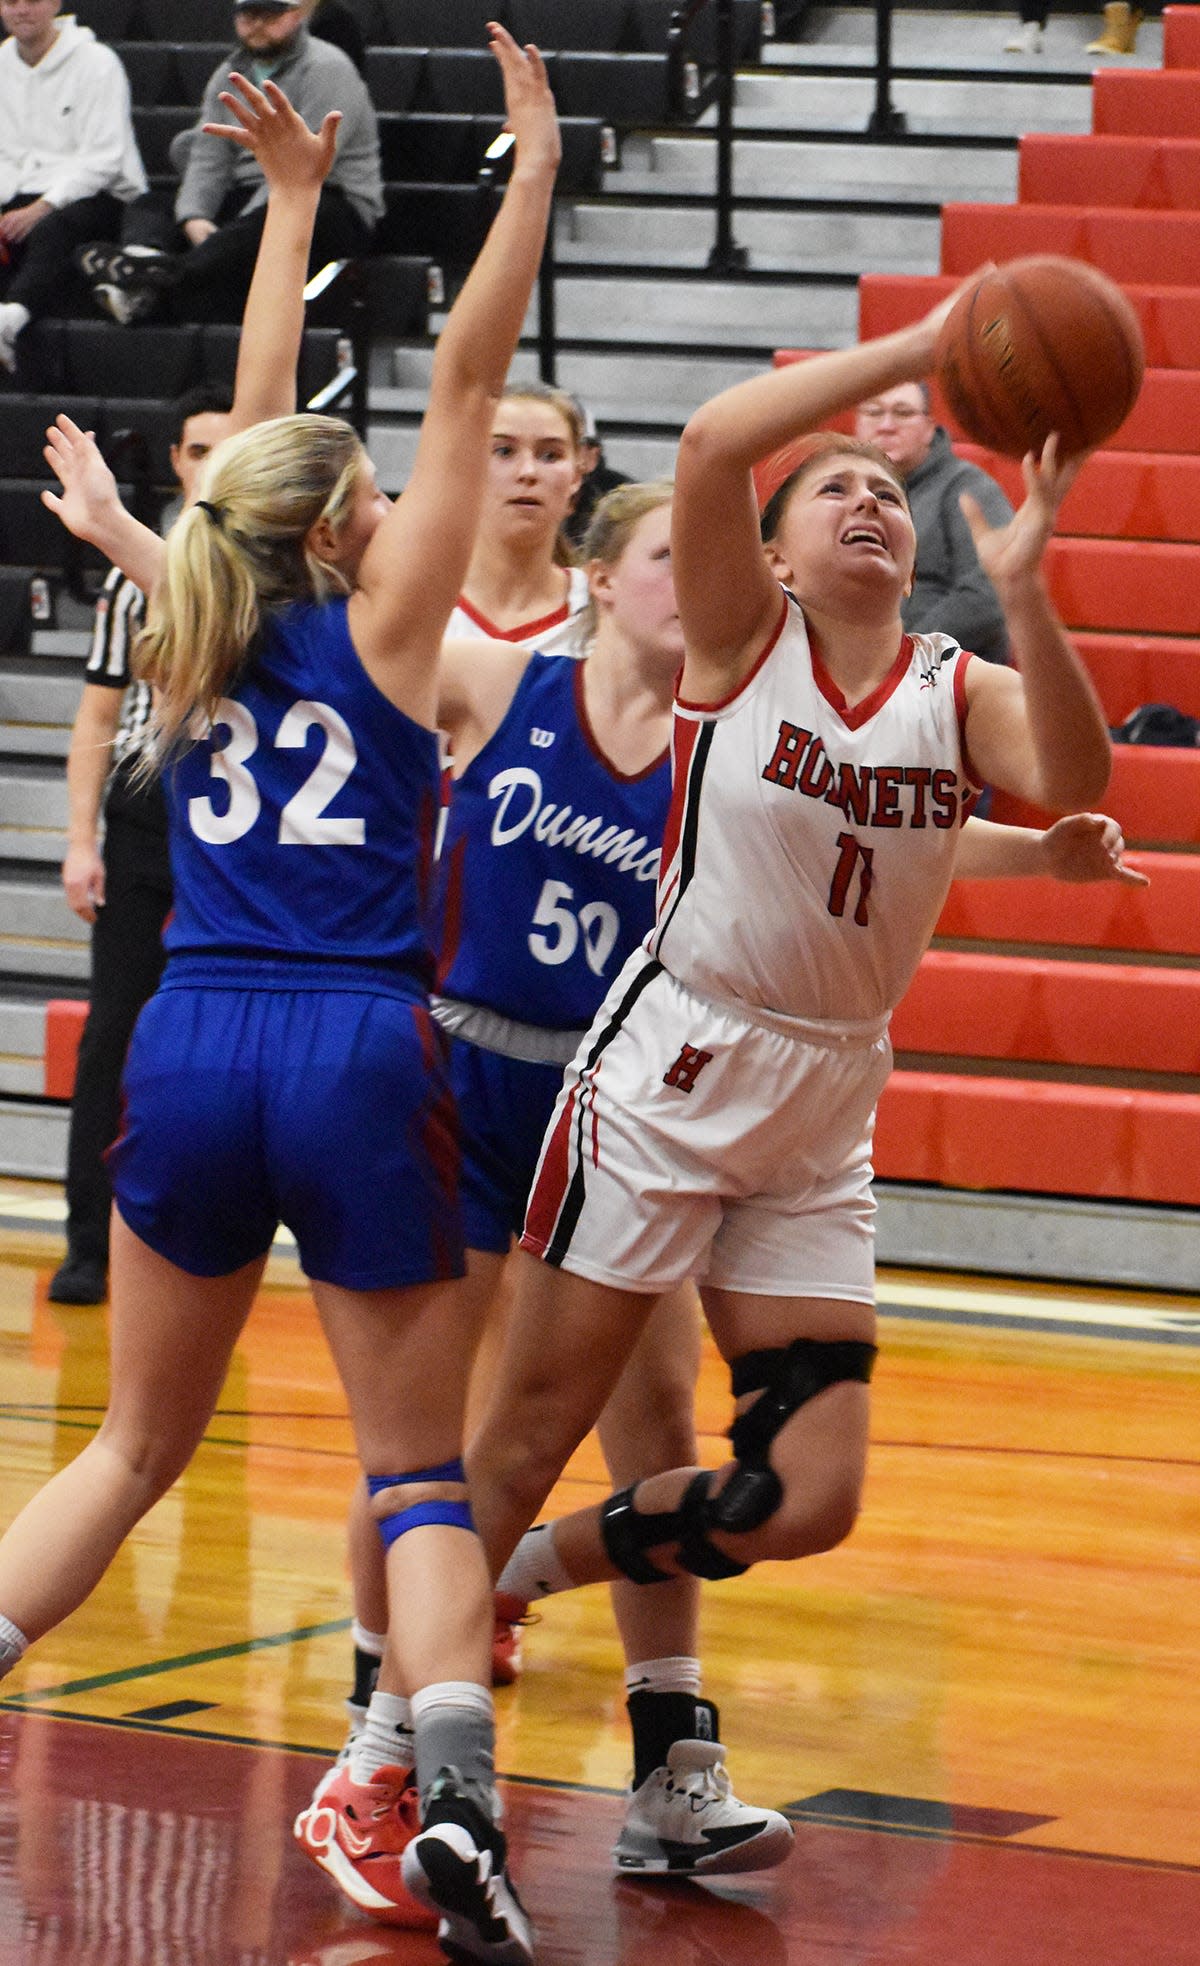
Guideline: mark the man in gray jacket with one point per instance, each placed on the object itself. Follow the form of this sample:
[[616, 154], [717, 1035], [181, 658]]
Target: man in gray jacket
[[222, 199], [950, 590]]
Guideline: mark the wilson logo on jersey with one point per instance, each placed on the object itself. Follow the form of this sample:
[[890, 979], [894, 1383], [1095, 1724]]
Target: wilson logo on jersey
[[541, 739], [870, 795], [687, 1068]]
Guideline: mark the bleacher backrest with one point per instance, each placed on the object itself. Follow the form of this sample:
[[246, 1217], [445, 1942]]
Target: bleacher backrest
[[205, 20], [394, 77], [462, 78], [598, 25], [23, 424], [439, 23], [109, 20], [156, 130], [627, 91], [447, 222]]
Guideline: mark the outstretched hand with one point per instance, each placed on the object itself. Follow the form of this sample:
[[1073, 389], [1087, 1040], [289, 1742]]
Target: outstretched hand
[[528, 104], [89, 498], [1088, 846], [276, 135], [1013, 552]]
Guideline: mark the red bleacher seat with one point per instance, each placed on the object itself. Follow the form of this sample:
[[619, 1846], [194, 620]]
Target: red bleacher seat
[[1128, 670], [1153, 794], [1151, 585], [65, 1019], [1146, 102], [1161, 919], [1118, 494], [1154, 248], [1039, 1137], [1181, 37], [1034, 1009], [1137, 173]]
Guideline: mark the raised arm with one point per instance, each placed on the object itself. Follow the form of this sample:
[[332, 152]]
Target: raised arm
[[728, 599], [413, 569], [1037, 730], [295, 162]]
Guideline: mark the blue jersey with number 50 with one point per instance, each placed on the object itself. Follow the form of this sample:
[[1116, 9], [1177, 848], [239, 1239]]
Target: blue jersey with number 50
[[550, 859], [303, 824]]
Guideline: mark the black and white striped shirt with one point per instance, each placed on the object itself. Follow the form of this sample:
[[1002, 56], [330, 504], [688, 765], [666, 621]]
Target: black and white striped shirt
[[120, 614]]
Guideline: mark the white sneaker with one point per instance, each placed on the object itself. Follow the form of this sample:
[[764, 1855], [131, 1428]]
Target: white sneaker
[[1025, 39], [457, 1865], [12, 320], [686, 1821]]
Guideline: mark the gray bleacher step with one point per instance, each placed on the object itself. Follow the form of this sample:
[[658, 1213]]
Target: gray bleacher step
[[40, 845], [68, 640], [777, 169], [37, 695], [33, 1141], [843, 243], [37, 910], [1001, 108], [53, 964], [393, 447], [32, 798], [22, 1042], [664, 388], [34, 740], [927, 38]]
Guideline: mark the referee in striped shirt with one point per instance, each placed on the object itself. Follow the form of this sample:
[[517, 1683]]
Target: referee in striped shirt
[[117, 878]]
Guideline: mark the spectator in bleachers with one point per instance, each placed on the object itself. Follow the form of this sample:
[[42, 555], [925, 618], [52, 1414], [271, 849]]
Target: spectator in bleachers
[[1118, 36], [68, 155], [122, 887], [950, 591], [599, 477], [203, 257]]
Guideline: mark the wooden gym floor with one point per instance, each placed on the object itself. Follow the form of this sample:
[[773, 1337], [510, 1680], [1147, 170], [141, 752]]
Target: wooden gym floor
[[980, 1712]]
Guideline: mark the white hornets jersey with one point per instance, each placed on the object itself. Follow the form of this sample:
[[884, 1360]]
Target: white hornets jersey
[[810, 844], [552, 634]]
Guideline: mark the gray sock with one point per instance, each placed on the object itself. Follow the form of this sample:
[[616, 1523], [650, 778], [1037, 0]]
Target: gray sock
[[455, 1728]]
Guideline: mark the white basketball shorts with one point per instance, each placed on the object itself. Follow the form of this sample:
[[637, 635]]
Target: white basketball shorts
[[692, 1139]]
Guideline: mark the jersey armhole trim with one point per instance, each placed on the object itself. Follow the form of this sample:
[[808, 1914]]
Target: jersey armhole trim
[[724, 702], [962, 660]]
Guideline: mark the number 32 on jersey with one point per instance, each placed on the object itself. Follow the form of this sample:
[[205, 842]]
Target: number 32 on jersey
[[304, 820]]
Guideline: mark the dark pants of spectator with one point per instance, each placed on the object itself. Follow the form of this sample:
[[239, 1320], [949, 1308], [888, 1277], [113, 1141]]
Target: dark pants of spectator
[[127, 961], [40, 264], [210, 281]]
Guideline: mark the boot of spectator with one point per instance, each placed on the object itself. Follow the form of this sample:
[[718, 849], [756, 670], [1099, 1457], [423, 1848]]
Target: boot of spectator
[[1121, 23], [1026, 38]]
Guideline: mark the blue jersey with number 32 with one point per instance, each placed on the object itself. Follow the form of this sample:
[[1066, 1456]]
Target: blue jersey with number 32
[[303, 824], [550, 859]]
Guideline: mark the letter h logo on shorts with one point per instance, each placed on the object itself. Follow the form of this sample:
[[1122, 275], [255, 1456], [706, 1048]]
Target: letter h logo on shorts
[[687, 1068]]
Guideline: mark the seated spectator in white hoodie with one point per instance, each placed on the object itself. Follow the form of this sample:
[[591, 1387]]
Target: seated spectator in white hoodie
[[68, 155]]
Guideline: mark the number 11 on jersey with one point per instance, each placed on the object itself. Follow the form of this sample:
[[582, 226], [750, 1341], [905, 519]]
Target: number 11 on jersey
[[851, 854]]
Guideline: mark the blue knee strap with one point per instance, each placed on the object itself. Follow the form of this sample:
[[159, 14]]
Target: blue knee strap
[[454, 1515]]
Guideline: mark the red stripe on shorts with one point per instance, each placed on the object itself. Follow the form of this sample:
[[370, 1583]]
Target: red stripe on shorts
[[550, 1188]]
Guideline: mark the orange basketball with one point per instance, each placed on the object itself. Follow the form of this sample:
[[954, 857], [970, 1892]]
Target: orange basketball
[[1037, 345]]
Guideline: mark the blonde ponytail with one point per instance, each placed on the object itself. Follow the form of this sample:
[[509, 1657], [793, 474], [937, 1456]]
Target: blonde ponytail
[[237, 554]]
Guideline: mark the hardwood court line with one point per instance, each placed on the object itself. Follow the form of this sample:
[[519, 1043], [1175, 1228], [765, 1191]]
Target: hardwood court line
[[24, 1702], [1122, 1326]]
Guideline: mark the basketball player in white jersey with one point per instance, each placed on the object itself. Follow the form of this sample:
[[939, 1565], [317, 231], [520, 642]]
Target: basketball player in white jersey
[[716, 1122], [520, 585]]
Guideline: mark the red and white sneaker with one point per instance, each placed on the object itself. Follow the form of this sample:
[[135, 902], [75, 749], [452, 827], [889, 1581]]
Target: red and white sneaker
[[506, 1638], [358, 1833]]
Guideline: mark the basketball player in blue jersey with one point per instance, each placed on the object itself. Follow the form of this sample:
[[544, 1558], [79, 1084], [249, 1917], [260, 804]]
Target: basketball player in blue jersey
[[561, 789], [716, 1122], [288, 1067]]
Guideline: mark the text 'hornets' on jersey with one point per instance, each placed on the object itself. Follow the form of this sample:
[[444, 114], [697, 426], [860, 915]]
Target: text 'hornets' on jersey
[[547, 839], [834, 825]]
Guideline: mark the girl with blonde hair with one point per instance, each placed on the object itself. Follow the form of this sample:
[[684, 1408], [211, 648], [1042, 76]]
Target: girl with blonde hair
[[288, 1067]]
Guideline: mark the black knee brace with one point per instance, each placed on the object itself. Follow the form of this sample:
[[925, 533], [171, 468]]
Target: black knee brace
[[786, 1378]]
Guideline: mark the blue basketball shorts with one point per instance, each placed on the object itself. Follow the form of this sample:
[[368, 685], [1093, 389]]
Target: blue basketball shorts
[[504, 1108], [327, 1107]]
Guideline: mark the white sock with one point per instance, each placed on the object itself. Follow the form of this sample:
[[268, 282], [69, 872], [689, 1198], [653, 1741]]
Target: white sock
[[365, 1641], [676, 1675], [456, 1728], [13, 317], [386, 1739], [13, 1643], [535, 1568]]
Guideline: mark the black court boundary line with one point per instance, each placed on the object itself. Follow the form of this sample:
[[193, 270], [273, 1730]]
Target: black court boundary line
[[794, 1812]]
